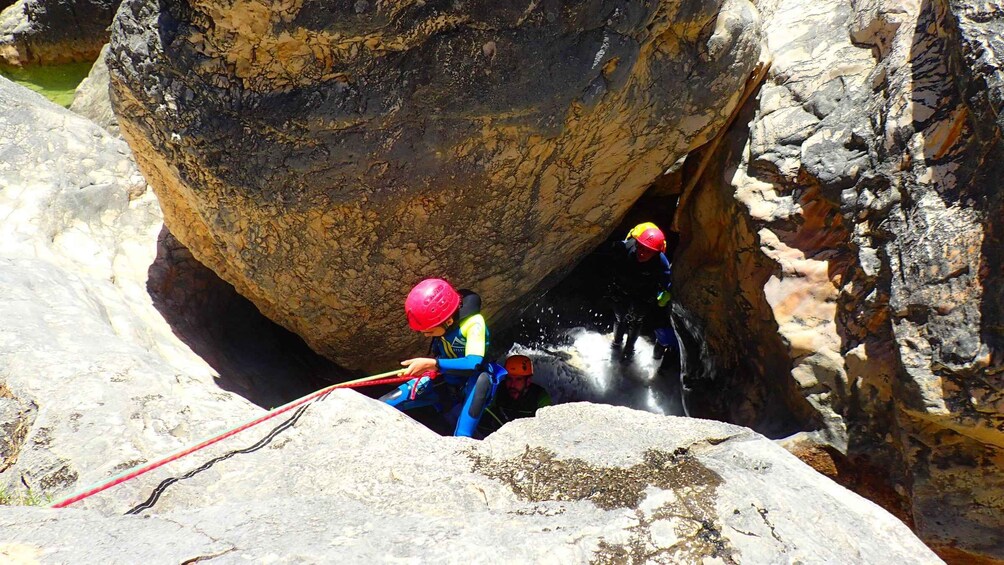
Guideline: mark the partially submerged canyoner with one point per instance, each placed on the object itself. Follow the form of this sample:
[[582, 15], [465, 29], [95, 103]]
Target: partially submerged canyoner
[[519, 397], [457, 354]]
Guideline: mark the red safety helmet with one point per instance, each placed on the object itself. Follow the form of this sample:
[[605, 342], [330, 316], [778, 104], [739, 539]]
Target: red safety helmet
[[652, 239], [519, 366], [430, 303]]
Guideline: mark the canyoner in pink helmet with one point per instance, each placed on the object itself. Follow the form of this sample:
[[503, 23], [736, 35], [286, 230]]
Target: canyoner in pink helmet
[[460, 338], [430, 303]]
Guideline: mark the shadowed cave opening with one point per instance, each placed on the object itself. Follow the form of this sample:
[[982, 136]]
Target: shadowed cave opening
[[567, 331], [253, 356]]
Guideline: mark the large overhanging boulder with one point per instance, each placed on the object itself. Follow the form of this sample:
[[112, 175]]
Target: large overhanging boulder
[[324, 158], [844, 249]]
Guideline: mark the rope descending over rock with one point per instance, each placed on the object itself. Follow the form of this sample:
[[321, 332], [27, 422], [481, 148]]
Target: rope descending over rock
[[134, 472]]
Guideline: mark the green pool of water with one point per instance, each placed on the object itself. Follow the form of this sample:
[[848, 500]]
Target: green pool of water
[[55, 82]]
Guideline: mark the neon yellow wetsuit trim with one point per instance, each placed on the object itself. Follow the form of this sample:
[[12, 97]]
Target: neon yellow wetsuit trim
[[462, 350], [473, 329]]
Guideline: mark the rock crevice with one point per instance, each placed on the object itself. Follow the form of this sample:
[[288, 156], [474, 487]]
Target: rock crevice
[[868, 244]]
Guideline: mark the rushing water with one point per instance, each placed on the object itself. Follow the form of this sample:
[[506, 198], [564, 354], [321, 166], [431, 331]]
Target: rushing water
[[568, 334], [586, 368]]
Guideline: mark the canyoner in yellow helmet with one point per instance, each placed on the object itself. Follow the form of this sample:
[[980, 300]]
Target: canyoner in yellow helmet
[[641, 287]]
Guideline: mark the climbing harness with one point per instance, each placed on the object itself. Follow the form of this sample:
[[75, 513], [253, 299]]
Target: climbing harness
[[420, 383], [462, 407], [389, 377]]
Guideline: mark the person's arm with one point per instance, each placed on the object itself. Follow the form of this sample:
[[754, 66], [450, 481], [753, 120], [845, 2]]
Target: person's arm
[[473, 329], [667, 271]]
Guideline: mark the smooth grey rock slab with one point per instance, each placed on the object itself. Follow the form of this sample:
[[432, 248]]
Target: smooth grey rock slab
[[91, 98], [94, 380], [40, 535], [351, 479]]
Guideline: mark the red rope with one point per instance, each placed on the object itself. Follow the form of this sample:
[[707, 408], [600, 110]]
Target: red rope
[[159, 463], [390, 381]]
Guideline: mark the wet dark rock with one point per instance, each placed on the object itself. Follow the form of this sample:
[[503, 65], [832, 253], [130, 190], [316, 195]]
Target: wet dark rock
[[49, 32]]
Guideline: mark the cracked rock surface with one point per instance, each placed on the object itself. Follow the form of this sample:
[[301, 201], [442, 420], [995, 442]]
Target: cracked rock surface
[[579, 483], [92, 379], [861, 262], [50, 32], [323, 158]]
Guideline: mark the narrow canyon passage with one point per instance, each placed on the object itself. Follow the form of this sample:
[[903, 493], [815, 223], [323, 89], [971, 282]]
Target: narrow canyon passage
[[826, 173], [567, 332]]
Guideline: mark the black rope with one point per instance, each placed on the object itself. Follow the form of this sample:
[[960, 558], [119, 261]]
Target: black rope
[[155, 495]]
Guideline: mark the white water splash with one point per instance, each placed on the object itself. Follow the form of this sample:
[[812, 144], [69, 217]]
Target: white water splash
[[590, 369]]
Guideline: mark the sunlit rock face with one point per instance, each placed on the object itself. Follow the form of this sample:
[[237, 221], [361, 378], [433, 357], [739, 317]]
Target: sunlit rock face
[[47, 32], [92, 378], [324, 158], [851, 223], [91, 97], [580, 483]]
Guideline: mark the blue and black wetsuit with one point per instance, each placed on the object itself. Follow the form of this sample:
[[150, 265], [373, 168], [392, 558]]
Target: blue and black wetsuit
[[460, 352], [469, 382]]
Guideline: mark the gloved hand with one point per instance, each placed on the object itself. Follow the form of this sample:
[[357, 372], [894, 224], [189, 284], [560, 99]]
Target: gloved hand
[[664, 297]]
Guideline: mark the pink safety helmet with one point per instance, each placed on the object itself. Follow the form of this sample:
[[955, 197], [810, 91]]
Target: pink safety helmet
[[430, 303]]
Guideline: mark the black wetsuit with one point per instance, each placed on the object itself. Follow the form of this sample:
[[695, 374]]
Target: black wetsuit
[[634, 289], [506, 409]]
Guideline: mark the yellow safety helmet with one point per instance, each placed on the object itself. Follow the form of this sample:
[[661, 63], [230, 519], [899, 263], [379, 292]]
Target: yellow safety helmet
[[649, 236], [640, 229]]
